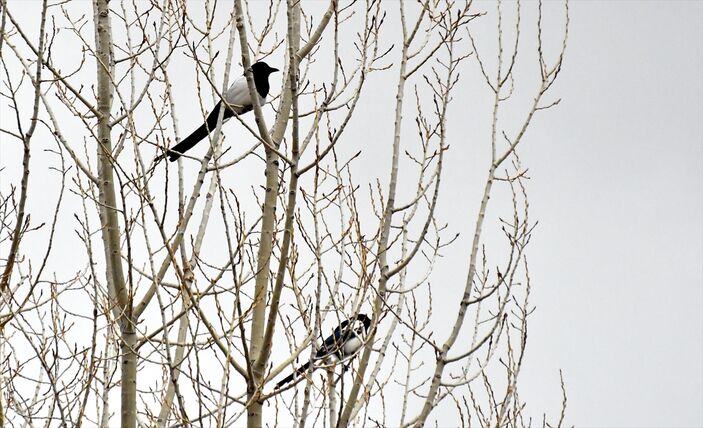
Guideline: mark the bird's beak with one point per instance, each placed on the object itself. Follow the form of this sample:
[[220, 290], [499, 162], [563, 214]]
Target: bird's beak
[[273, 70]]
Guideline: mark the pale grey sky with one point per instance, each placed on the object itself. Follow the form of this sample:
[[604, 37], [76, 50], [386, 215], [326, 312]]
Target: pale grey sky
[[618, 188]]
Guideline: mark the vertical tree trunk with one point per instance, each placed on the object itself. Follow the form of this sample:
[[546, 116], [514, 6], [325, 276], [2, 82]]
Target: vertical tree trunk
[[261, 286], [119, 295], [259, 355], [129, 375]]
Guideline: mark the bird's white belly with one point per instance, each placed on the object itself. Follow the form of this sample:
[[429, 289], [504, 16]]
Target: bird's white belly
[[351, 346]]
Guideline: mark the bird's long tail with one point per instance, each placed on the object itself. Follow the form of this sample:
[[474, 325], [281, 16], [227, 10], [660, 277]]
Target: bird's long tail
[[187, 143], [293, 375]]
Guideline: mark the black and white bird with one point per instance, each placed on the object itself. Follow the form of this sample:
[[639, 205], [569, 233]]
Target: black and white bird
[[346, 341], [239, 100]]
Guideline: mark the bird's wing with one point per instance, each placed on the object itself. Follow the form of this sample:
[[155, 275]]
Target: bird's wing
[[237, 95], [333, 342]]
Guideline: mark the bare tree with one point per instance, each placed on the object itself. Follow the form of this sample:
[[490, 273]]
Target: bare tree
[[212, 283]]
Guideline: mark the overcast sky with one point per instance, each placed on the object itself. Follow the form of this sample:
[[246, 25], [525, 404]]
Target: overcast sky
[[617, 186]]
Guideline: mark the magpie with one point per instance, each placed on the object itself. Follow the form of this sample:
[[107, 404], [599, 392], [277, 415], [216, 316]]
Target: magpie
[[239, 100], [346, 341]]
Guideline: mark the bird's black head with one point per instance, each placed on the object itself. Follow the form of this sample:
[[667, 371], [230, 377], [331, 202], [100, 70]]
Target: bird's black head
[[359, 325], [261, 72], [261, 68], [365, 320]]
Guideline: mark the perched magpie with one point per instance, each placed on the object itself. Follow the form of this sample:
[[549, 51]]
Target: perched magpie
[[237, 96], [346, 340]]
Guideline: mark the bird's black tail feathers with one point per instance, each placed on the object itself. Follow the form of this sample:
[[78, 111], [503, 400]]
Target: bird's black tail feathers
[[293, 375], [187, 143]]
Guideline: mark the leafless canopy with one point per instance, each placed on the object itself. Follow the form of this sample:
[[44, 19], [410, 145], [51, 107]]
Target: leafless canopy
[[176, 294]]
